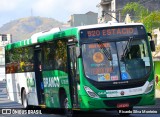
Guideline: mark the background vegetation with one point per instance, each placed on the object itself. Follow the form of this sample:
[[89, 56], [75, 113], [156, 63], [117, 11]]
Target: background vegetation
[[138, 13]]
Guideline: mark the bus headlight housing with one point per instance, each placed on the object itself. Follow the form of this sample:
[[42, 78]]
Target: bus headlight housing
[[149, 87], [90, 92]]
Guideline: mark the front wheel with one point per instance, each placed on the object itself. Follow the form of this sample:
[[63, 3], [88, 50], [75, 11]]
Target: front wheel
[[67, 111]]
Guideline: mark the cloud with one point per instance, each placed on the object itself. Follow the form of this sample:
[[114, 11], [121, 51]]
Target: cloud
[[72, 6], [62, 9], [57, 9], [45, 7], [9, 5], [78, 6]]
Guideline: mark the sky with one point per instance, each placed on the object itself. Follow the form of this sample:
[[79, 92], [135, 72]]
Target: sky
[[60, 10]]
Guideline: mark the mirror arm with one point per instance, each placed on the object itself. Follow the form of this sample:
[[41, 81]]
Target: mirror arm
[[150, 35]]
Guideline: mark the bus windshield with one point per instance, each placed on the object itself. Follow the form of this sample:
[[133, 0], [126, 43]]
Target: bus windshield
[[128, 61]]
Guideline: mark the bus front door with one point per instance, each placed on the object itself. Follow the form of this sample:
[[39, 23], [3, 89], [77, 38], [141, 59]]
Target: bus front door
[[72, 67], [38, 75]]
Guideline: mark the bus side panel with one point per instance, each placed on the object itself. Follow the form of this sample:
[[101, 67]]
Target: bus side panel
[[31, 88], [53, 81], [17, 81]]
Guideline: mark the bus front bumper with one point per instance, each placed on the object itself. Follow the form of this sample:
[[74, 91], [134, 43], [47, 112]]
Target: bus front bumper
[[88, 103]]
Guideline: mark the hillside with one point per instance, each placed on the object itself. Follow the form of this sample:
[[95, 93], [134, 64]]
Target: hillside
[[23, 28]]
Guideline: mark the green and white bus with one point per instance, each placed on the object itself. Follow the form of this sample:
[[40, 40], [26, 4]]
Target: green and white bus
[[102, 66]]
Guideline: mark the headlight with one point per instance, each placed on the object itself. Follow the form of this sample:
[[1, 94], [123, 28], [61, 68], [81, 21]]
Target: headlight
[[90, 92], [149, 87]]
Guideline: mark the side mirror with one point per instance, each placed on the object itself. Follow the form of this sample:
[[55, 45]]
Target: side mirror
[[149, 35], [78, 52], [152, 45]]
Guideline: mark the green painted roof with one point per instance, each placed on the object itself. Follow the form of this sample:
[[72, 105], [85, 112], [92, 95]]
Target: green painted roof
[[43, 37]]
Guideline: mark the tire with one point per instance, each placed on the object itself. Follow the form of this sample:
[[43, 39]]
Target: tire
[[24, 99], [64, 104]]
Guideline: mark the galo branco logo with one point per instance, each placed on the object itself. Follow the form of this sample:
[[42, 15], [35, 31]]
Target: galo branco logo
[[98, 57]]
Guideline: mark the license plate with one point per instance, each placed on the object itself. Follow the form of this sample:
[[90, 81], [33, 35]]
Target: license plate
[[122, 105]]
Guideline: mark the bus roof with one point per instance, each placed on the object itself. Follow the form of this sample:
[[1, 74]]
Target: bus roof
[[58, 33], [43, 37], [109, 24]]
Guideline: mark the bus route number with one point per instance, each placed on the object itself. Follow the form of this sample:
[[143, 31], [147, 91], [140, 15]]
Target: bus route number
[[93, 33]]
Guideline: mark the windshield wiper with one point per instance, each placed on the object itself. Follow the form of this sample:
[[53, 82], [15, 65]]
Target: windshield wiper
[[127, 48], [105, 51]]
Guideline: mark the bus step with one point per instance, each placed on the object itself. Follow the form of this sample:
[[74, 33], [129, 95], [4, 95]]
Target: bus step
[[42, 106]]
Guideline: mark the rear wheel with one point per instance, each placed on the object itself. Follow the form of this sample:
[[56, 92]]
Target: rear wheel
[[24, 99]]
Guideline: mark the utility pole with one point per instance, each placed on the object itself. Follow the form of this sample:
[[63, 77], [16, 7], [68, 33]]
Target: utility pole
[[119, 16]]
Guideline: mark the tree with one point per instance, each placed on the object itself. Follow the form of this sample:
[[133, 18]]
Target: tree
[[141, 14]]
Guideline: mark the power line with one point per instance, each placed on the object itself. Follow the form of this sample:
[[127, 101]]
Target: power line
[[106, 13]]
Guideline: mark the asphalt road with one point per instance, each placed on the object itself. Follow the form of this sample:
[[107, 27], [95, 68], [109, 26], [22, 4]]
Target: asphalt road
[[5, 103]]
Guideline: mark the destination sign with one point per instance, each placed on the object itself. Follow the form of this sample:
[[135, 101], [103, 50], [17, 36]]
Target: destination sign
[[109, 32]]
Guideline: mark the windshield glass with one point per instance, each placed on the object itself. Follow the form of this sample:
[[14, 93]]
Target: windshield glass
[[134, 61], [113, 61], [97, 61]]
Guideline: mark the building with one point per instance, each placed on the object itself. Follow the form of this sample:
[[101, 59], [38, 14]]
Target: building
[[83, 19], [156, 37], [106, 11], [4, 40], [112, 8], [156, 54]]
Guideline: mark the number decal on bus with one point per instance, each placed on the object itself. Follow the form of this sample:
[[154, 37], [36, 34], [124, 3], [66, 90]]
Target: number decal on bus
[[51, 82]]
